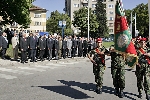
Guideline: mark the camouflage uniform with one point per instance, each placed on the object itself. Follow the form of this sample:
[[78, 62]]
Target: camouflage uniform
[[118, 72], [143, 71], [99, 69]]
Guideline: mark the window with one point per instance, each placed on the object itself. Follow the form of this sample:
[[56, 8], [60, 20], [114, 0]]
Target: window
[[85, 5], [110, 6], [37, 15], [111, 0], [111, 18], [111, 30], [37, 23], [93, 5], [94, 0], [111, 24], [76, 5], [111, 12]]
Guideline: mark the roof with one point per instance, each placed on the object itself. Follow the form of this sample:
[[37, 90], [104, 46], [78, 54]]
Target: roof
[[33, 7]]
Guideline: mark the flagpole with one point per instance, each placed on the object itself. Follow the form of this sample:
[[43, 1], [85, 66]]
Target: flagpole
[[131, 23], [149, 19], [135, 24]]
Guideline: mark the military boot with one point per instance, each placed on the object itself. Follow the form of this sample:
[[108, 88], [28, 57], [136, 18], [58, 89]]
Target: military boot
[[98, 90], [140, 95], [121, 94], [147, 96], [116, 91]]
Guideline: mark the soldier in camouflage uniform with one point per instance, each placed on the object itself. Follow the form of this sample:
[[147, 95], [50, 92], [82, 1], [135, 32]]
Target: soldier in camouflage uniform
[[143, 69], [118, 71], [98, 61]]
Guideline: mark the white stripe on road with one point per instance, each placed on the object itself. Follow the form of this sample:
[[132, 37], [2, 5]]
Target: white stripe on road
[[45, 67], [7, 76], [55, 64], [68, 63], [15, 71], [34, 69]]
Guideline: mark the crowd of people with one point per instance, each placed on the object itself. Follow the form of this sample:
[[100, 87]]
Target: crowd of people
[[44, 47]]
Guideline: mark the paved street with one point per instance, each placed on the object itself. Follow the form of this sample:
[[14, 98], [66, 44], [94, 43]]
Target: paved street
[[59, 80]]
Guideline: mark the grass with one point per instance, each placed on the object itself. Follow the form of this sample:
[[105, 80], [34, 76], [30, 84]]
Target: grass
[[108, 44]]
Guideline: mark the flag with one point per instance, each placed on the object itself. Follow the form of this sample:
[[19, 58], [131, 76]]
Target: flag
[[123, 36]]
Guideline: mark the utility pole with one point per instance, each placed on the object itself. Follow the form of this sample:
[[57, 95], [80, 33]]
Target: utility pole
[[88, 20], [131, 23], [135, 24]]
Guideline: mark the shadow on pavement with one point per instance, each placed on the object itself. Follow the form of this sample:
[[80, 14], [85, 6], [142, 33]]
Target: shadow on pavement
[[67, 91], [91, 87]]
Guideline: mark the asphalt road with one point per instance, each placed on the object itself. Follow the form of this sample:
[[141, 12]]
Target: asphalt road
[[67, 79]]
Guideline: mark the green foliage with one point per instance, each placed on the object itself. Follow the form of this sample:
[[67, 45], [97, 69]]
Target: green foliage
[[101, 19], [15, 10], [52, 23], [142, 18], [81, 21]]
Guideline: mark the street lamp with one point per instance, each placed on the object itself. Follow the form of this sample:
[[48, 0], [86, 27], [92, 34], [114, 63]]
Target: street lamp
[[88, 20]]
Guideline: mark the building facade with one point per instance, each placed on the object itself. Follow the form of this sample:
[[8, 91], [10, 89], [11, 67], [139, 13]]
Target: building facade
[[73, 5], [38, 21]]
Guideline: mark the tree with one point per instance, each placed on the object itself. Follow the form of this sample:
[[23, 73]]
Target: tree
[[15, 11], [52, 23], [142, 18], [80, 21], [100, 12]]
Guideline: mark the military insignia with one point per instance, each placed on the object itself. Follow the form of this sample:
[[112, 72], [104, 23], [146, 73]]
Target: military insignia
[[129, 58], [122, 40]]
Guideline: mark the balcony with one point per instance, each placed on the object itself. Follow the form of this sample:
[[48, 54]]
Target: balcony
[[85, 1]]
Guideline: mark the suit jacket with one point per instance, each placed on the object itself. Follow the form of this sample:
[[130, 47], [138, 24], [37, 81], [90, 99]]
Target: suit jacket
[[41, 44], [60, 44], [64, 44], [69, 43], [50, 43], [24, 44], [33, 42], [15, 41], [74, 43], [44, 39], [85, 44], [80, 45], [56, 44], [4, 42]]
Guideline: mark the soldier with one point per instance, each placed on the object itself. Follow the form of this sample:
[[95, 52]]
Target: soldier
[[143, 70], [118, 71], [98, 64]]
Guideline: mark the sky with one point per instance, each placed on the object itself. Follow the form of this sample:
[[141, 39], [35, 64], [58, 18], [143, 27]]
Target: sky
[[52, 5]]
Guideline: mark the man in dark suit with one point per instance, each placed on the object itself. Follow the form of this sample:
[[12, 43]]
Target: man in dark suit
[[56, 44], [41, 47], [4, 43], [85, 47], [80, 47], [74, 47], [64, 47], [24, 46], [50, 43], [33, 47]]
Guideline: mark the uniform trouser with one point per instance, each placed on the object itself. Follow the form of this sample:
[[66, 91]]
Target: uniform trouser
[[73, 52], [60, 53], [41, 54], [3, 52], [69, 52], [84, 52], [118, 75], [15, 52], [33, 54], [79, 52], [64, 53], [50, 53], [56, 53], [140, 73], [23, 56], [99, 72]]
